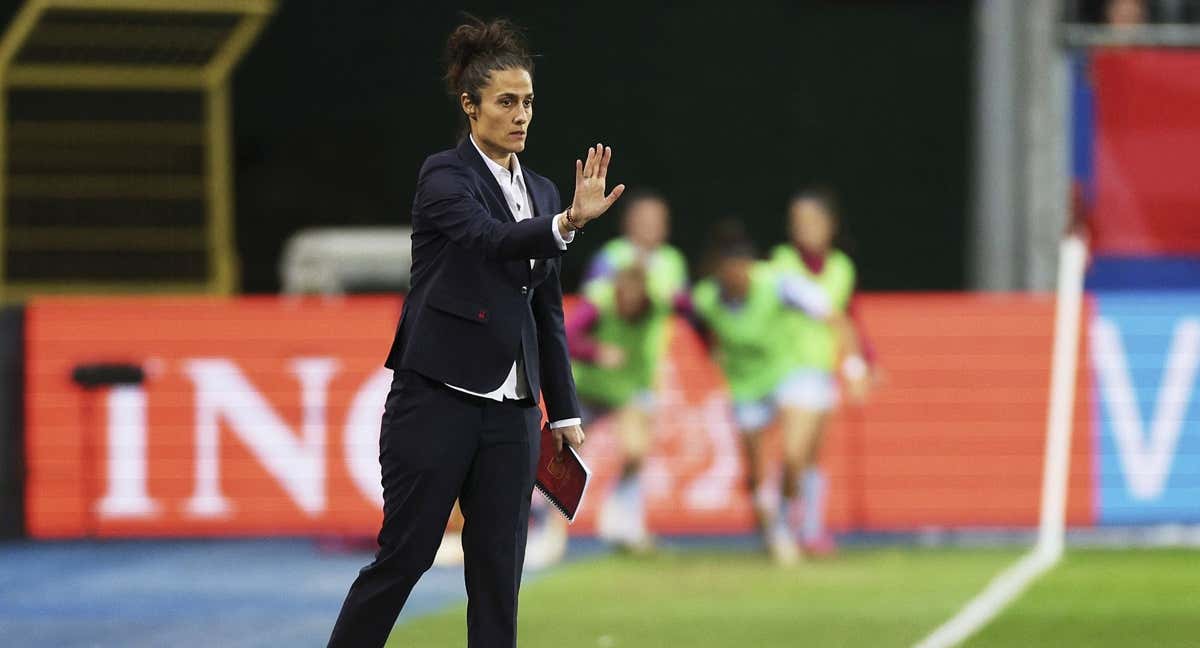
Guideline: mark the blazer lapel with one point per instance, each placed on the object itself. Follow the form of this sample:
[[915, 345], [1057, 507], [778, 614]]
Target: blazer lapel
[[468, 154], [538, 264], [533, 196]]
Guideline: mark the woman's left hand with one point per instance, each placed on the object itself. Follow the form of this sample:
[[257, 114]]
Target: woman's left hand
[[572, 434]]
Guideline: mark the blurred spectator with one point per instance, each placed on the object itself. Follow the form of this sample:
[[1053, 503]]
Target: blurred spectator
[[1132, 13], [1125, 13]]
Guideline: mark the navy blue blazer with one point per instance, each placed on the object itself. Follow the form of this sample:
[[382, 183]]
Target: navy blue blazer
[[474, 302]]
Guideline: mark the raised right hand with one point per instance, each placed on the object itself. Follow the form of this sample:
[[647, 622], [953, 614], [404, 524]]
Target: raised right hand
[[590, 177]]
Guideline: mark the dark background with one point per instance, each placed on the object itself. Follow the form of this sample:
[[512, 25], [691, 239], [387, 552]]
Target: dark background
[[725, 107]]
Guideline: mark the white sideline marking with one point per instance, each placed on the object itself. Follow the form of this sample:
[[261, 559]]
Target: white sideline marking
[[1005, 587], [1009, 584]]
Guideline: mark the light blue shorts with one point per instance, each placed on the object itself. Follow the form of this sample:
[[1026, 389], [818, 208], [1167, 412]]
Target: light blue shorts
[[752, 416], [809, 389]]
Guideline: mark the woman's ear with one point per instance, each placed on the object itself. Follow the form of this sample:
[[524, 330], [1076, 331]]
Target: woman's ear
[[468, 106]]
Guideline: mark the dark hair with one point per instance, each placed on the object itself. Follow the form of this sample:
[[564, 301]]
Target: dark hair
[[638, 195], [728, 240], [476, 48], [822, 195]]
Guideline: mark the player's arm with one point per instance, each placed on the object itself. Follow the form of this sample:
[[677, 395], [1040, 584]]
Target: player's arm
[[581, 343], [859, 368], [581, 340], [684, 307], [805, 295], [801, 293]]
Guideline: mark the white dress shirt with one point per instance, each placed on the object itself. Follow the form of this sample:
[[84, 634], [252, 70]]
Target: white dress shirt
[[512, 185]]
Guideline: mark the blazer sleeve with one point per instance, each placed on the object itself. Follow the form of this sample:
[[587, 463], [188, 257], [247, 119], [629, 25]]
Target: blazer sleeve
[[445, 203], [558, 384]]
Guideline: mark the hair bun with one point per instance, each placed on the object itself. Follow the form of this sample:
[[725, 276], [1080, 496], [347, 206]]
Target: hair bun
[[475, 48]]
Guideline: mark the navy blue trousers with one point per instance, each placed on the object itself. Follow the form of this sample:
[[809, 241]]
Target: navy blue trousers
[[437, 445]]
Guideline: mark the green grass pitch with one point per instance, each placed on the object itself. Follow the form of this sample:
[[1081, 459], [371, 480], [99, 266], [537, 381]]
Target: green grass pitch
[[1106, 598], [886, 597]]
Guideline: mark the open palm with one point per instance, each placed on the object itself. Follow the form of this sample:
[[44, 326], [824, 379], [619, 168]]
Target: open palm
[[590, 178]]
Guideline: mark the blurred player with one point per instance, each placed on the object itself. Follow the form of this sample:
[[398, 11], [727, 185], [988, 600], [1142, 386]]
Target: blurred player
[[616, 340], [811, 384], [645, 226], [739, 310]]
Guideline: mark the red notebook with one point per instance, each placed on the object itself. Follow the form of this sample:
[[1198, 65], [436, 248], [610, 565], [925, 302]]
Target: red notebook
[[561, 476]]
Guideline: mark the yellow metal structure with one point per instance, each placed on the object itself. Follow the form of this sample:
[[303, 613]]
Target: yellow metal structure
[[184, 48]]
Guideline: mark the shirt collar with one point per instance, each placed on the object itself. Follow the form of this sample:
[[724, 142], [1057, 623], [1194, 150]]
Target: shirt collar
[[503, 175]]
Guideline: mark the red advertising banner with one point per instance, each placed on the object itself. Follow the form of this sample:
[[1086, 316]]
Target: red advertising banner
[[955, 437], [257, 415], [261, 416], [1147, 151]]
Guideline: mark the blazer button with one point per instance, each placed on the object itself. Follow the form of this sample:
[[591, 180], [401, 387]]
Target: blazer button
[[524, 290]]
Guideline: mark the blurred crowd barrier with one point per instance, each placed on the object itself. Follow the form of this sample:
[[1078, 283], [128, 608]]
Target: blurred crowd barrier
[[261, 416]]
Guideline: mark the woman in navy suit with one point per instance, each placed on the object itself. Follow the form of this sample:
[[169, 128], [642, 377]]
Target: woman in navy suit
[[480, 340]]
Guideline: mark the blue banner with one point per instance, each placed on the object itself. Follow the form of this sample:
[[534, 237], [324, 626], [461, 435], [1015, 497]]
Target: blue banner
[[1145, 352]]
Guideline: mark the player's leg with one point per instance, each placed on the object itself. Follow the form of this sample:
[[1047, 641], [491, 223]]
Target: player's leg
[[804, 472], [751, 418], [450, 552], [612, 520], [809, 396], [633, 427], [813, 535], [800, 429], [752, 454], [547, 543]]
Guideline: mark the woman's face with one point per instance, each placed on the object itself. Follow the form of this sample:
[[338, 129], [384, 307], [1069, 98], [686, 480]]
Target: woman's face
[[500, 122], [812, 226]]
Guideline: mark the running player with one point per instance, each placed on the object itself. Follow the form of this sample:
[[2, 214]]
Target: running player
[[663, 270], [811, 384], [645, 225], [738, 311], [616, 341]]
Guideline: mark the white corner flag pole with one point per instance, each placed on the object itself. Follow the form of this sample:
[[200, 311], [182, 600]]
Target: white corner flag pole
[[1008, 584], [1072, 261]]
